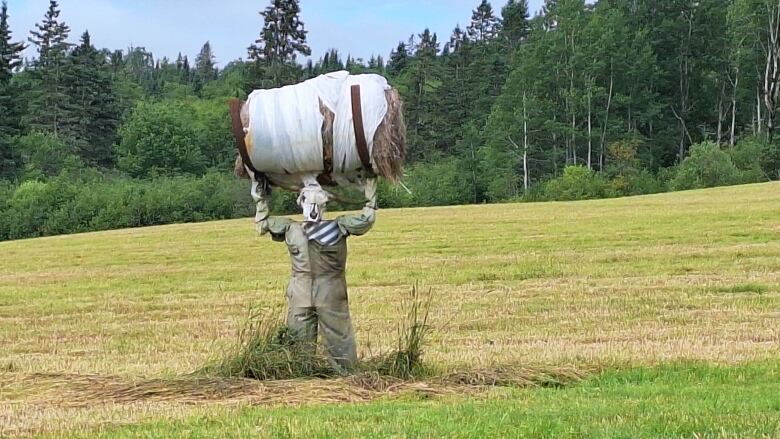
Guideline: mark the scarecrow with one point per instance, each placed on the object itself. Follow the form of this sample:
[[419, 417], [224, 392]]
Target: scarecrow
[[317, 299], [337, 131]]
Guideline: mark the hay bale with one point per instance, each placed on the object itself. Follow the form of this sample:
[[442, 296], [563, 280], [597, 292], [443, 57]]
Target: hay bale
[[389, 149]]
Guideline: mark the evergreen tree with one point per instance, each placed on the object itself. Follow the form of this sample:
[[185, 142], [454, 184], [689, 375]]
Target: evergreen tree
[[139, 69], [179, 62], [484, 63], [456, 40], [10, 52], [205, 67], [49, 107], [94, 103], [10, 60], [454, 106], [186, 70], [332, 62], [374, 63], [282, 38], [484, 24], [355, 65], [514, 24], [398, 59], [422, 82]]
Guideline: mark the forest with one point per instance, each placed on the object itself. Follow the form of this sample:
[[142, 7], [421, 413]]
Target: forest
[[581, 100]]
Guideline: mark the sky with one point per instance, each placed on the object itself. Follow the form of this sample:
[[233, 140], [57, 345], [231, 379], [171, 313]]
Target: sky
[[167, 27]]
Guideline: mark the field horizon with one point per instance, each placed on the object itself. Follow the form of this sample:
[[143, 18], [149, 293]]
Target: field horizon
[[666, 305]]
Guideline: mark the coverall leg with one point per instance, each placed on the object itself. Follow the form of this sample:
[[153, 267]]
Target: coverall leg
[[317, 297], [331, 301]]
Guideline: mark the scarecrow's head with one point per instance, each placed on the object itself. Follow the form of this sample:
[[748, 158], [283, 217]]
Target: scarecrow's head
[[314, 201]]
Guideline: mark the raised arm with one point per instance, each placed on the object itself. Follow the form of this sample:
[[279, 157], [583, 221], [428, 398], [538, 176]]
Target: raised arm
[[264, 223], [361, 223]]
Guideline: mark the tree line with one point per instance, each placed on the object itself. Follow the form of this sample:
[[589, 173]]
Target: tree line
[[617, 97]]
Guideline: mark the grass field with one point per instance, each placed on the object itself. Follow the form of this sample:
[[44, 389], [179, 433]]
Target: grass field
[[669, 305]]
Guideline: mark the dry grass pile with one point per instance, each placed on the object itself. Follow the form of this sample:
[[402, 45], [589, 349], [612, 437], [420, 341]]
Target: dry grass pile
[[81, 391], [89, 390], [516, 376]]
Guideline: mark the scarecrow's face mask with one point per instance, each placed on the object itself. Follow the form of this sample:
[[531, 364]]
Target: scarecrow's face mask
[[314, 202]]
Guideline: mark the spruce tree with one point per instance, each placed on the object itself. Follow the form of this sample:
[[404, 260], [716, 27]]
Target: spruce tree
[[333, 61], [282, 38], [179, 62], [424, 73], [485, 65], [515, 27], [49, 106], [456, 40], [186, 70], [205, 67], [484, 23], [94, 103], [10, 52], [138, 68], [398, 59], [10, 60], [452, 98]]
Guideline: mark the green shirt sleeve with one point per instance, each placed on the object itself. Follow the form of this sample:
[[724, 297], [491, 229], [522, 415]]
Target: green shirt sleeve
[[276, 226], [357, 224]]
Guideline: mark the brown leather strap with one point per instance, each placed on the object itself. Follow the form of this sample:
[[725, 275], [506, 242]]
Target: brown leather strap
[[360, 134], [240, 135]]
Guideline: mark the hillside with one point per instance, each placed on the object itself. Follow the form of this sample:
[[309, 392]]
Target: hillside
[[604, 286]]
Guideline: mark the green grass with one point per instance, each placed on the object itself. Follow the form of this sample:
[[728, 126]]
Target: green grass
[[678, 400], [611, 285]]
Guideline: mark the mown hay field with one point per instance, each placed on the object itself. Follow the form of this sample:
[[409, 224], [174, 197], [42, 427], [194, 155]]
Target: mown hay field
[[670, 304]]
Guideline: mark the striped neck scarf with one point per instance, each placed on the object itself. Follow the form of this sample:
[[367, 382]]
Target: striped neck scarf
[[324, 232]]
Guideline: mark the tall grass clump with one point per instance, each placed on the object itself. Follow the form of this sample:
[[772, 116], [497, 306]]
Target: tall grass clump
[[266, 349], [406, 360]]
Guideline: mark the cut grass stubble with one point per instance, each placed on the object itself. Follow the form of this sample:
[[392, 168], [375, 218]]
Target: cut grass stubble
[[268, 365], [637, 282]]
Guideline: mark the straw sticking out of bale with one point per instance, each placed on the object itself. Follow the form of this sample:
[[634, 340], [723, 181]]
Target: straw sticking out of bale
[[327, 143], [239, 169], [389, 150]]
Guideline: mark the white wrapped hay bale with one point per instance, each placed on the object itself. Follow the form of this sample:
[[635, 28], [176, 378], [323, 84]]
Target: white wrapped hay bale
[[305, 131]]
